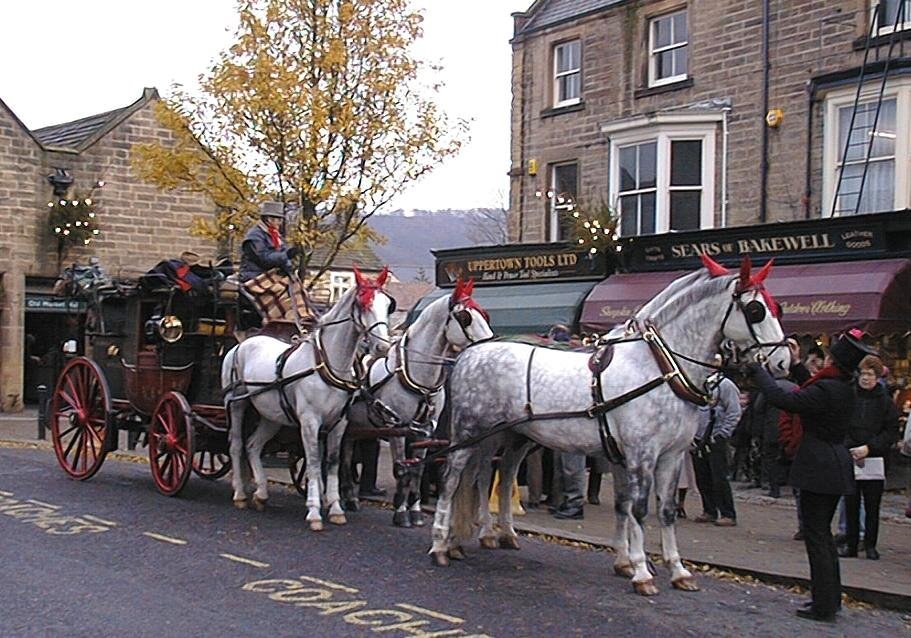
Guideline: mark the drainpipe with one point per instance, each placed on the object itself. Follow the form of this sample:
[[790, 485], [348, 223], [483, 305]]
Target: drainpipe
[[764, 161], [724, 165], [807, 187]]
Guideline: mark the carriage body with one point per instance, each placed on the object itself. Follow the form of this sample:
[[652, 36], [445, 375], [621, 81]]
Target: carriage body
[[153, 370]]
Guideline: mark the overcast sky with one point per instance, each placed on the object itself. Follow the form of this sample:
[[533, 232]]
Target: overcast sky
[[66, 59]]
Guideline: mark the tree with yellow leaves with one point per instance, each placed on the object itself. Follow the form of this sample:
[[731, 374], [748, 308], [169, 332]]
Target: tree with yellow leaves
[[319, 104]]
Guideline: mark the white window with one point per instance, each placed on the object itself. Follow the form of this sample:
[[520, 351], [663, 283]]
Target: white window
[[564, 180], [339, 284], [568, 73], [886, 12], [662, 173], [884, 186], [667, 49]]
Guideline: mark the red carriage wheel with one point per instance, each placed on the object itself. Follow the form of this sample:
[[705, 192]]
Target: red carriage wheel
[[211, 465], [297, 465], [171, 443], [79, 414]]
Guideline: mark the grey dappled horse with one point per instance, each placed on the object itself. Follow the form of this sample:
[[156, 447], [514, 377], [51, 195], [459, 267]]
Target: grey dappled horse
[[315, 400], [405, 389], [693, 315]]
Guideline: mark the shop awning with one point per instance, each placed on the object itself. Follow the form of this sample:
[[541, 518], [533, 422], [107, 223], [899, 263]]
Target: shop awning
[[824, 298], [523, 309]]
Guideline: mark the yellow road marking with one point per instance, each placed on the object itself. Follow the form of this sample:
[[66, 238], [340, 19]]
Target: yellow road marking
[[96, 519], [241, 559], [431, 613], [165, 539], [42, 504], [330, 584]]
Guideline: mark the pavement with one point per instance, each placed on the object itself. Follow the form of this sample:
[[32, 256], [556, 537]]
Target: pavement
[[761, 545]]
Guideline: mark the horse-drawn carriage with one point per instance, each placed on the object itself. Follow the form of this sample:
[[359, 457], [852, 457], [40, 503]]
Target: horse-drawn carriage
[[152, 370]]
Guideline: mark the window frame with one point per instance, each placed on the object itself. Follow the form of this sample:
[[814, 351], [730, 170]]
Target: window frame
[[653, 80], [702, 129], [887, 29], [553, 205], [558, 75], [336, 281], [900, 90]]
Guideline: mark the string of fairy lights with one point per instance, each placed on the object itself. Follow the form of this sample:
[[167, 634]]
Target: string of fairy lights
[[592, 227], [74, 221]]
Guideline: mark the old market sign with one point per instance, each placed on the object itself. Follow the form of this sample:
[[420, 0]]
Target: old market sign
[[832, 239], [518, 263]]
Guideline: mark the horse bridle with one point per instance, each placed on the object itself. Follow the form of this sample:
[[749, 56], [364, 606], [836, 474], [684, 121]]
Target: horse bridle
[[754, 312]]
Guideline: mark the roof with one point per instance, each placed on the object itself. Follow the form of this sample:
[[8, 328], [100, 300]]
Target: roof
[[15, 118], [548, 13], [82, 133], [408, 293], [349, 256]]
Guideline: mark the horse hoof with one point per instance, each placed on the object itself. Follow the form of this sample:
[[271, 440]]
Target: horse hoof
[[686, 583], [259, 504], [626, 571], [646, 588], [240, 503], [488, 542], [509, 542], [416, 518], [316, 526], [352, 505], [457, 553], [401, 519], [337, 519], [440, 559]]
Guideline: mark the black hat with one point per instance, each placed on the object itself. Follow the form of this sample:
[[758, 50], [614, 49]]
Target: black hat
[[848, 351]]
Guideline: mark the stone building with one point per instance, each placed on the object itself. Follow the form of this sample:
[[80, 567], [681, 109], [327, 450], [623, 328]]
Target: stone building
[[139, 224], [698, 114]]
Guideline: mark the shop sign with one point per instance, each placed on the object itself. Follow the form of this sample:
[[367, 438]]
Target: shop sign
[[520, 265], [825, 308], [832, 239], [51, 304]]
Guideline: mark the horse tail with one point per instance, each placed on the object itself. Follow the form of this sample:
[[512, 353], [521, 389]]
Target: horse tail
[[465, 503]]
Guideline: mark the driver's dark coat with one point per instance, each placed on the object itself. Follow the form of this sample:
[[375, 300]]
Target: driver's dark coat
[[258, 255], [823, 463]]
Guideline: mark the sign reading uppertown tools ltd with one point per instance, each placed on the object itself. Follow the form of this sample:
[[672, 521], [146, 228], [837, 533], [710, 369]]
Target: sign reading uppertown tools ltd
[[518, 263], [842, 238]]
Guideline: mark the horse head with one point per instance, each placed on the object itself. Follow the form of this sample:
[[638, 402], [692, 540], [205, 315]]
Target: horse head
[[372, 310], [752, 323], [468, 322]]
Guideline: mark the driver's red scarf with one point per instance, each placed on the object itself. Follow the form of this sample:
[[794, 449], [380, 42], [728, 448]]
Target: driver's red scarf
[[275, 237]]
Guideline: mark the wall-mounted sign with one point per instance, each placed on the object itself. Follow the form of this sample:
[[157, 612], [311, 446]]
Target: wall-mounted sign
[[835, 239], [53, 304], [518, 263]]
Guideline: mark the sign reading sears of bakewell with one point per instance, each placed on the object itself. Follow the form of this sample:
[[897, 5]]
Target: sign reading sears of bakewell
[[830, 239], [518, 263]]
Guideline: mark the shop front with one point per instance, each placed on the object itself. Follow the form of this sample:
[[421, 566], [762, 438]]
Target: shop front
[[50, 324], [829, 276], [526, 288]]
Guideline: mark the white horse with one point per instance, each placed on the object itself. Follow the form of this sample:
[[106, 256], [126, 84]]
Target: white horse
[[404, 389], [318, 382], [651, 390]]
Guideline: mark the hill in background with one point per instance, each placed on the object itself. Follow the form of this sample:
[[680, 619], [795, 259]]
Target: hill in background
[[412, 235]]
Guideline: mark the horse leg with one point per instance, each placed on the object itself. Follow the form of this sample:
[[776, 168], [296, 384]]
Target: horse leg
[[442, 520], [667, 476], [235, 412], [400, 516], [310, 440], [622, 512], [509, 471], [346, 479], [487, 536], [640, 484], [261, 435], [333, 445], [415, 514]]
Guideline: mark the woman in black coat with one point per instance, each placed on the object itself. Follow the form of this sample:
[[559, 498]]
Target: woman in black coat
[[823, 467], [873, 430]]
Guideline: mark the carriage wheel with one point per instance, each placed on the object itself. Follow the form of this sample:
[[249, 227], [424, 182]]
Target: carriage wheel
[[297, 465], [79, 411], [211, 465], [171, 443]]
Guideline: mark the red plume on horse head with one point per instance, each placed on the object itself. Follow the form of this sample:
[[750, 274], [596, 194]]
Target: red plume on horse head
[[366, 289], [715, 269], [463, 290]]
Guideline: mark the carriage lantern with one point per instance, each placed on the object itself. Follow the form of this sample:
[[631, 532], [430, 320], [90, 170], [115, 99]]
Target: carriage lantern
[[168, 328]]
